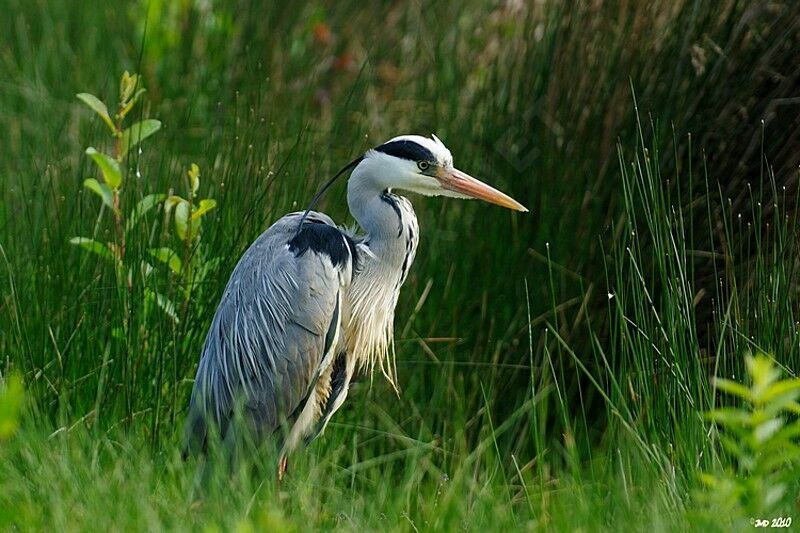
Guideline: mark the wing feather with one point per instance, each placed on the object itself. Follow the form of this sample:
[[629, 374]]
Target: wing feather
[[268, 338]]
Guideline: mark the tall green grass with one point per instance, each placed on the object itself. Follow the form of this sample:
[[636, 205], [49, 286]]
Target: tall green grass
[[554, 367]]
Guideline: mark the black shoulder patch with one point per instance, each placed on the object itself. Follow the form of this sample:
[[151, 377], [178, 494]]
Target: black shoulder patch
[[324, 239], [406, 150]]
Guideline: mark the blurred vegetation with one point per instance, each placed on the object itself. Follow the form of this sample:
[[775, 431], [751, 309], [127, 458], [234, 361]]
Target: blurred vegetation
[[761, 439], [554, 367]]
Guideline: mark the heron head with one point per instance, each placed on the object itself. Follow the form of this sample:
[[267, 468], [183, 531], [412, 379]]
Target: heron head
[[425, 166]]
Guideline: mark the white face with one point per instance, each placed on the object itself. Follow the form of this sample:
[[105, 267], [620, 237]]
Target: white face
[[425, 166], [416, 174]]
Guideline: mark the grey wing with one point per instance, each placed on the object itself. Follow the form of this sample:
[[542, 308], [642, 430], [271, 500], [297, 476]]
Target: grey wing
[[273, 328]]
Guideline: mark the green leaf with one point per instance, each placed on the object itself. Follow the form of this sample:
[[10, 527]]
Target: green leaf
[[126, 86], [773, 494], [94, 247], [108, 166], [127, 107], [12, 395], [733, 446], [732, 387], [205, 206], [145, 204], [194, 178], [762, 371], [168, 257], [194, 228], [729, 416], [101, 190], [147, 269], [766, 430], [787, 388], [96, 105], [171, 202], [780, 455], [709, 480], [163, 302], [186, 225], [182, 219], [137, 133]]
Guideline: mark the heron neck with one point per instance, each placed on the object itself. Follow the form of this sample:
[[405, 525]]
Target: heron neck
[[390, 241], [377, 212]]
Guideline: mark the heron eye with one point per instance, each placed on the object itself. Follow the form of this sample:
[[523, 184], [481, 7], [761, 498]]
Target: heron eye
[[423, 165]]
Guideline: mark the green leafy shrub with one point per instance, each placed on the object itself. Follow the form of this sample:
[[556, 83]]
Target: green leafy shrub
[[12, 395], [187, 267], [762, 437], [187, 215]]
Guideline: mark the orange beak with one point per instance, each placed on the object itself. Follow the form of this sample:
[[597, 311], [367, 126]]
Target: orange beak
[[456, 181]]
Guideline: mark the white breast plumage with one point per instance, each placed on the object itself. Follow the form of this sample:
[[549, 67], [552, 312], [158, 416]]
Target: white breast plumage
[[369, 311]]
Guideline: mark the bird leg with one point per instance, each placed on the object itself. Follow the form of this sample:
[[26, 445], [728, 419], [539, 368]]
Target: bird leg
[[283, 464]]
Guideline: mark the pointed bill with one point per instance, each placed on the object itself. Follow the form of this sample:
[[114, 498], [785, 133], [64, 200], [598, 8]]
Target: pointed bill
[[463, 184]]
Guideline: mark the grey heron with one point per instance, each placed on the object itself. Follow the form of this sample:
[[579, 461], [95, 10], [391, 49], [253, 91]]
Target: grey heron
[[310, 303]]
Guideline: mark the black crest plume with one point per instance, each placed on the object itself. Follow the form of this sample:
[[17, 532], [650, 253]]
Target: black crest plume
[[325, 187]]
